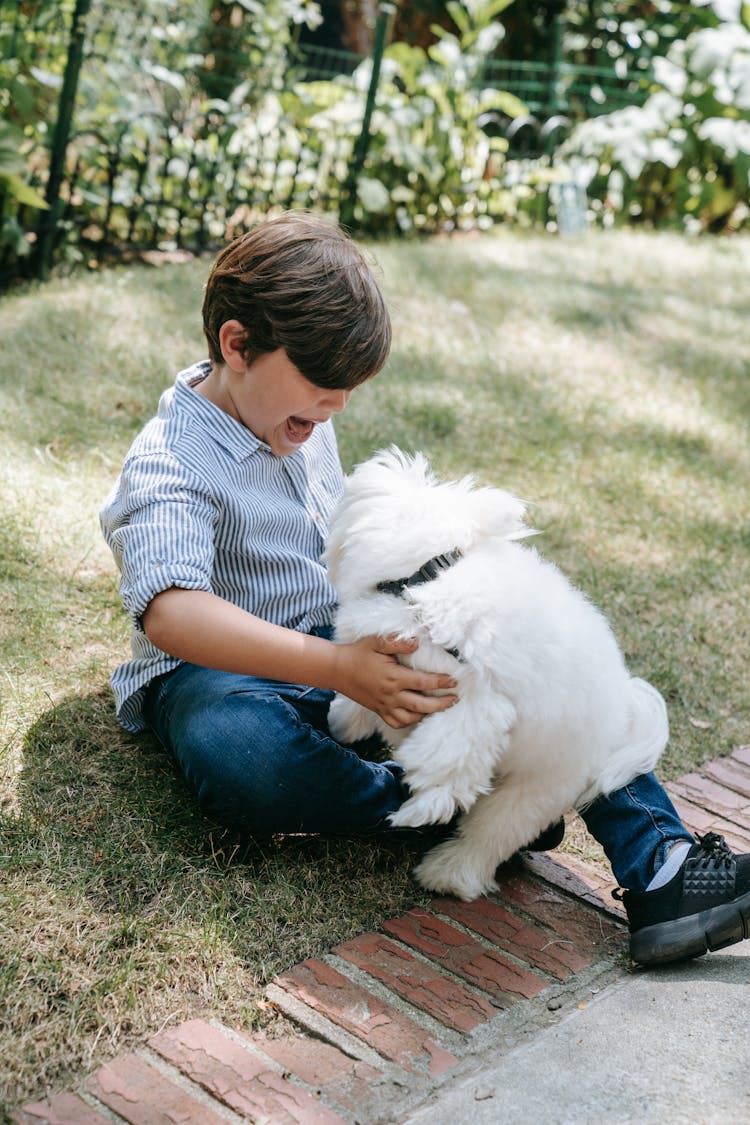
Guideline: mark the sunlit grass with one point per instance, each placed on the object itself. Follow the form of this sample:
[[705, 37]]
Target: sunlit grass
[[605, 380]]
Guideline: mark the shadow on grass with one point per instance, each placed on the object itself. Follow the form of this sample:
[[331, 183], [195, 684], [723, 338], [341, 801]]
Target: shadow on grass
[[125, 910], [588, 296], [510, 424], [104, 355], [104, 813]]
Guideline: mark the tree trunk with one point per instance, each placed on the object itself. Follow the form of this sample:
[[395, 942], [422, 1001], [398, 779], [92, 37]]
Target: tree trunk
[[358, 18]]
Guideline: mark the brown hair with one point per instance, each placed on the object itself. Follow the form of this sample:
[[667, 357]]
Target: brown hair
[[298, 282]]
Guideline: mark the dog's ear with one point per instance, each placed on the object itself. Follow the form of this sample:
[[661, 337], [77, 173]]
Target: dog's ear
[[498, 515]]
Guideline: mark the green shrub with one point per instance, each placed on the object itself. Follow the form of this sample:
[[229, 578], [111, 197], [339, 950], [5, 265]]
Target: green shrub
[[429, 164], [14, 190], [683, 158], [195, 170]]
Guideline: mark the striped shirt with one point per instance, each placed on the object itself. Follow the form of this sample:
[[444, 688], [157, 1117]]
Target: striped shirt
[[203, 504]]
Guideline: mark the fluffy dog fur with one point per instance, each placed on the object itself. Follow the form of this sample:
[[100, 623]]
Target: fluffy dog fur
[[548, 716]]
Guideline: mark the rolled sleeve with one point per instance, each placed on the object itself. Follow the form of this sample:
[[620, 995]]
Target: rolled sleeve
[[160, 527]]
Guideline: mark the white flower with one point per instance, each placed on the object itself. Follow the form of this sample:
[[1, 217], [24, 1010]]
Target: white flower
[[373, 194], [662, 109], [726, 133], [727, 9], [670, 75], [665, 152], [717, 51]]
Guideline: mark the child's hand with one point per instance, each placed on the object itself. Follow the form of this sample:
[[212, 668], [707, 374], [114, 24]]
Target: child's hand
[[369, 673]]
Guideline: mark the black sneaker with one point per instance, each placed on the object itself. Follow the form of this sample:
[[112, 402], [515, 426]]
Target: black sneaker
[[706, 906]]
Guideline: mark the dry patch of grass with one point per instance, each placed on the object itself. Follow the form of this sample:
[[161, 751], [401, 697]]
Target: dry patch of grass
[[606, 380]]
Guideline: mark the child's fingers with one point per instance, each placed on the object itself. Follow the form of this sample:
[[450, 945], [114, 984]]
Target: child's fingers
[[393, 644], [412, 707], [413, 678], [429, 704], [430, 681], [416, 680]]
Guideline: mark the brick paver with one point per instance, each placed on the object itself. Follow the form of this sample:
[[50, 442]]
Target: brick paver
[[701, 820], [229, 1071], [717, 799], [62, 1109], [516, 935], [322, 1066], [570, 920], [713, 797], [352, 1007], [421, 983], [741, 754], [461, 954], [462, 967], [730, 773], [142, 1095]]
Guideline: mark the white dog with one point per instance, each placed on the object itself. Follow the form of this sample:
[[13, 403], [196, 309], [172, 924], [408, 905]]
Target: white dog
[[548, 716]]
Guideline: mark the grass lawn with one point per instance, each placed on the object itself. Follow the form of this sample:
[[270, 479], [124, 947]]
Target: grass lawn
[[607, 380]]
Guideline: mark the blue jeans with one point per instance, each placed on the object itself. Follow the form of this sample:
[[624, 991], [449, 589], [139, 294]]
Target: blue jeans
[[636, 825], [261, 759]]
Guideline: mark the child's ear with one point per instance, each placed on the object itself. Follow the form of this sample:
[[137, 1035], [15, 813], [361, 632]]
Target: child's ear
[[233, 341]]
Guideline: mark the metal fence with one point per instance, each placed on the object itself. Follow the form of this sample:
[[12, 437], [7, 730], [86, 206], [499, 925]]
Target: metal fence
[[166, 172], [178, 171]]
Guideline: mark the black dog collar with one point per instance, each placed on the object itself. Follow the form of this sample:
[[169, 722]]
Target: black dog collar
[[431, 569]]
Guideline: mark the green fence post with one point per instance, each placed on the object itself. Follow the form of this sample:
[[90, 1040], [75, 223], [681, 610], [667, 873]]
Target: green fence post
[[386, 12], [60, 137], [554, 102]]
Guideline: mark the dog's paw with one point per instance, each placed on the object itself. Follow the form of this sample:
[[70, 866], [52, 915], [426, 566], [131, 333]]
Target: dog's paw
[[348, 721], [434, 806], [448, 869], [446, 795]]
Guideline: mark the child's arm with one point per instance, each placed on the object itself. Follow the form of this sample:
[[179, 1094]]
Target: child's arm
[[199, 627]]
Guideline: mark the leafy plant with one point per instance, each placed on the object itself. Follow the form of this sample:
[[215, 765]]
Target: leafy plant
[[146, 134], [683, 158], [15, 191], [429, 164]]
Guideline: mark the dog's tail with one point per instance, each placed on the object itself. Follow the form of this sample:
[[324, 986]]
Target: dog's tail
[[648, 735]]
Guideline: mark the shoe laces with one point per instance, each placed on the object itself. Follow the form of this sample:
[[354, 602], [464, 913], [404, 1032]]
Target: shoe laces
[[716, 851]]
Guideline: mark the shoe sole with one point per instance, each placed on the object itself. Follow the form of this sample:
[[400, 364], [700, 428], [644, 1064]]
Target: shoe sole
[[705, 932]]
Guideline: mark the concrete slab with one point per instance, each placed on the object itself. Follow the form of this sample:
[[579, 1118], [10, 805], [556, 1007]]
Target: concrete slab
[[664, 1047]]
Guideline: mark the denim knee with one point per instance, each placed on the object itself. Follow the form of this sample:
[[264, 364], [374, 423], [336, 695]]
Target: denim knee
[[234, 759], [260, 758]]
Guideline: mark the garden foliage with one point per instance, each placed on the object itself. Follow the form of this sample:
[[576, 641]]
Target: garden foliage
[[430, 166], [683, 158], [192, 118], [217, 124]]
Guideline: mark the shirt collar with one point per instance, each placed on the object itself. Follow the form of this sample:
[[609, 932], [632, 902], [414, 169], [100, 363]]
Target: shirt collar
[[235, 438]]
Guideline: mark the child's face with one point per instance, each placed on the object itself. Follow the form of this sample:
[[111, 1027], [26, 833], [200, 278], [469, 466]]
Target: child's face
[[278, 404]]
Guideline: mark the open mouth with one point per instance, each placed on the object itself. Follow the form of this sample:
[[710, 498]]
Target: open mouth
[[299, 429]]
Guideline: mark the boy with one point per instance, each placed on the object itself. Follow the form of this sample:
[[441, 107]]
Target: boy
[[217, 523]]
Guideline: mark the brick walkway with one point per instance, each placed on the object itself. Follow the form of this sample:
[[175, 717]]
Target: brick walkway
[[386, 1018]]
